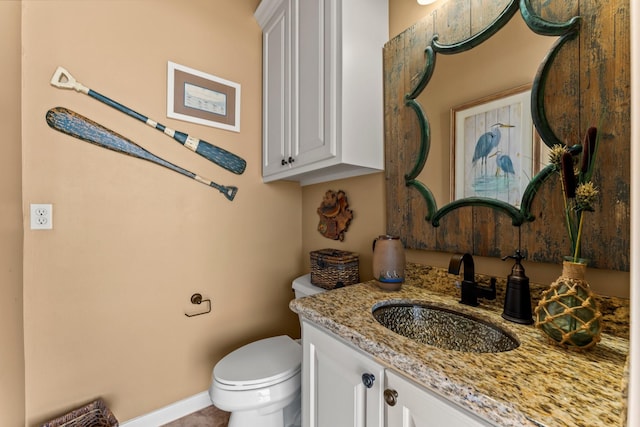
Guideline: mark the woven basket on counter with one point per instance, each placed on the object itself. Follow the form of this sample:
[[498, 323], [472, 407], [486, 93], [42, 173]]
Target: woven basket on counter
[[333, 268], [95, 414]]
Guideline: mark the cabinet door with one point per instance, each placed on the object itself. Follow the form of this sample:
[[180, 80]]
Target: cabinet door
[[277, 81], [334, 392], [407, 405], [318, 48]]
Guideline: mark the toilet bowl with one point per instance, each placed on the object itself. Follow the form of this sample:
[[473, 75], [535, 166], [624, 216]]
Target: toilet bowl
[[259, 383]]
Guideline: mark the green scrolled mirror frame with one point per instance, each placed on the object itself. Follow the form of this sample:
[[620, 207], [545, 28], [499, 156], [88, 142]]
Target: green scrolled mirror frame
[[565, 31]]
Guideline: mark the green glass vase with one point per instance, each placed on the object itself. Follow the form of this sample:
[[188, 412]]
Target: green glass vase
[[568, 313]]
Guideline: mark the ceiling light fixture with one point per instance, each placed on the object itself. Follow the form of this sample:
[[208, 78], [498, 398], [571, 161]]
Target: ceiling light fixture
[[425, 2]]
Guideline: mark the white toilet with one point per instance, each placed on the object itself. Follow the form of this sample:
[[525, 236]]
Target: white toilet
[[259, 383]]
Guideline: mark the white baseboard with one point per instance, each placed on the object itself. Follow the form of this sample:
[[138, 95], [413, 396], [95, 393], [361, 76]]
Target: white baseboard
[[171, 412]]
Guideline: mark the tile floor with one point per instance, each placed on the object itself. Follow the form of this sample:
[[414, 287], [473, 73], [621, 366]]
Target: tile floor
[[207, 417]]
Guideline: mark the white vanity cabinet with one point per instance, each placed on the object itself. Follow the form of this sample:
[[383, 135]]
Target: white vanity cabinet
[[407, 404], [322, 88], [341, 387], [335, 392]]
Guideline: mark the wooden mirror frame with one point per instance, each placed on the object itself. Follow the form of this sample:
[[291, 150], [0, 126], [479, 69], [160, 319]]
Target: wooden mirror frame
[[588, 76]]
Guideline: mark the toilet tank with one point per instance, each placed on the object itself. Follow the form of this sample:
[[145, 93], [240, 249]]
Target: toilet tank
[[302, 286]]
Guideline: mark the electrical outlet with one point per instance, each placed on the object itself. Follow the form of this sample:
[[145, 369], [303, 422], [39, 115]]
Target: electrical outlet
[[41, 216]]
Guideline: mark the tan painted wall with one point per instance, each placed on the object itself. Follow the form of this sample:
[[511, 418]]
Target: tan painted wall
[[405, 13], [365, 195], [11, 325], [106, 290]]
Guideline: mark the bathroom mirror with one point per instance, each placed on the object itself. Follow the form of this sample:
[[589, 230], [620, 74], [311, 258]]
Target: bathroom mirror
[[467, 96], [493, 134]]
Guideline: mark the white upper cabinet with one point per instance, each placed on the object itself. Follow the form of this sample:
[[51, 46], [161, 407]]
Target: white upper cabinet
[[322, 88]]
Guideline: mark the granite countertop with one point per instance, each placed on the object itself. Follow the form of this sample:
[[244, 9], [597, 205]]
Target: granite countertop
[[537, 384]]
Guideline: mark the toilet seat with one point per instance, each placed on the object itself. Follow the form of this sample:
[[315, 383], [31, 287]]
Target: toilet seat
[[259, 364]]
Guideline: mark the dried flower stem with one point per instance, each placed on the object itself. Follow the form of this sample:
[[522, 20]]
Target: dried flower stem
[[578, 192], [576, 250]]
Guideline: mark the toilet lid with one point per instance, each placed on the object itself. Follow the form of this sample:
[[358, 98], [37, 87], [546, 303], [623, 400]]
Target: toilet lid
[[260, 363]]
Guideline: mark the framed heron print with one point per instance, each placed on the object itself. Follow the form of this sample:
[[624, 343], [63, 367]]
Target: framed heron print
[[492, 146]]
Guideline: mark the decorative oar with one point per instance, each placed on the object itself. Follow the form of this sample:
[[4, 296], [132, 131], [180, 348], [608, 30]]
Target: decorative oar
[[73, 124], [64, 80]]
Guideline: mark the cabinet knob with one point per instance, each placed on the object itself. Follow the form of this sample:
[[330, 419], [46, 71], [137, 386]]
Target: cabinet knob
[[391, 397], [283, 162], [291, 159], [368, 380]]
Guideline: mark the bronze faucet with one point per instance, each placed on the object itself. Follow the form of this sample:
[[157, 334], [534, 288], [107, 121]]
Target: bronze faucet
[[470, 290]]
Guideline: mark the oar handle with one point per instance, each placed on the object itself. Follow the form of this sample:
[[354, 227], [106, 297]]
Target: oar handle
[[229, 191], [64, 80]]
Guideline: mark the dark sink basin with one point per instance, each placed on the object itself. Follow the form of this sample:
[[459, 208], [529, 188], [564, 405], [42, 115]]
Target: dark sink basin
[[444, 328]]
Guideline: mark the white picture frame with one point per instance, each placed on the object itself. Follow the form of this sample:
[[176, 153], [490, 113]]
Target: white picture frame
[[197, 97], [478, 173]]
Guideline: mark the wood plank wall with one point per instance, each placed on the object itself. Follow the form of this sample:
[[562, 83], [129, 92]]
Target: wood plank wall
[[591, 75]]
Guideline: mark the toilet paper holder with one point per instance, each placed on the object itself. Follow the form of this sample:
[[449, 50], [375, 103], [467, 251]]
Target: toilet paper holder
[[197, 299]]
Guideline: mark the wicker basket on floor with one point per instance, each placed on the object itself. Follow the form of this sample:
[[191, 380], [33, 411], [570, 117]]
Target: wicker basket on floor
[[95, 414]]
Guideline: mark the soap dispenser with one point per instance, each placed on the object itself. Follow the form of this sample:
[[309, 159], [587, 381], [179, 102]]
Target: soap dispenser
[[517, 301]]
